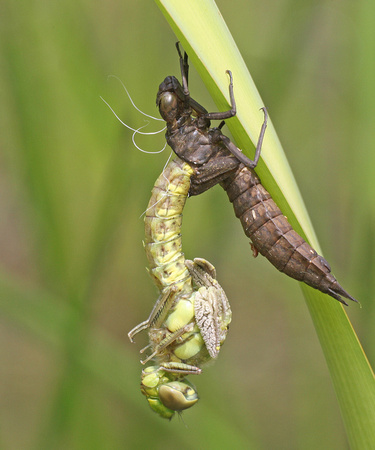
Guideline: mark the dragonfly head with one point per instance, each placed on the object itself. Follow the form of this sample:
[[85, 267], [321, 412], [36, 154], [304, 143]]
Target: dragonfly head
[[170, 99], [165, 394]]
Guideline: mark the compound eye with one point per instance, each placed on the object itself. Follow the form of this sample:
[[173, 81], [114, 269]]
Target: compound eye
[[168, 106], [168, 101], [177, 396]]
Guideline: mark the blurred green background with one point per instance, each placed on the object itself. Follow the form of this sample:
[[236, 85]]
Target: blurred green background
[[73, 188]]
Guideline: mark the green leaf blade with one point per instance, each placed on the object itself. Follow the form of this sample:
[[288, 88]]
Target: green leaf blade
[[205, 36]]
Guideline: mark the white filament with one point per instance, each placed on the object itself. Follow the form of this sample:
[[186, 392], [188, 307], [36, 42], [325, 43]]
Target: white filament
[[155, 132], [127, 126], [123, 85]]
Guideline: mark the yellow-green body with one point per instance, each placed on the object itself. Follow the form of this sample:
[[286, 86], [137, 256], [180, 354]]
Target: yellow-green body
[[163, 245], [188, 324], [163, 227]]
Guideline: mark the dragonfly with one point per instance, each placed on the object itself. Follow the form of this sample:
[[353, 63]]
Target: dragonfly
[[189, 321], [214, 159]]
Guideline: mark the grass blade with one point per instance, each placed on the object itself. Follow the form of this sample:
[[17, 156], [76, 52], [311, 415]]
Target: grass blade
[[205, 36]]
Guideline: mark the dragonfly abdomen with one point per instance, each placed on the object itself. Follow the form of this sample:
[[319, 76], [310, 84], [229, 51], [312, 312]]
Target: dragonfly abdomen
[[273, 236], [163, 226], [187, 325]]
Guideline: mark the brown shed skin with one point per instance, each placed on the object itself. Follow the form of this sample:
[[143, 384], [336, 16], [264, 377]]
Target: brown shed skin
[[207, 151]]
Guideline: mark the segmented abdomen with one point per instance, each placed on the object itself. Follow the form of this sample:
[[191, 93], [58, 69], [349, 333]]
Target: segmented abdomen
[[163, 225], [273, 236]]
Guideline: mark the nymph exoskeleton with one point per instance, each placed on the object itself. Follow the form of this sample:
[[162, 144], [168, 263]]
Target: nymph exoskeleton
[[214, 159]]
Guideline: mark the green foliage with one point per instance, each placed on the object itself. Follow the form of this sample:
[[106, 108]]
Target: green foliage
[[73, 187]]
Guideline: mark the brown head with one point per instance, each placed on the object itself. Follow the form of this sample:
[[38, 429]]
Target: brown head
[[170, 100]]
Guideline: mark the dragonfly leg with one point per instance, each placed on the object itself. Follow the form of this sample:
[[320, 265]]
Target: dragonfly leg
[[184, 66], [212, 309], [145, 348], [199, 109], [217, 169], [168, 340], [238, 153], [158, 313], [181, 368], [188, 101], [225, 114]]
